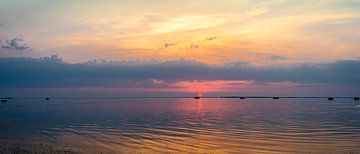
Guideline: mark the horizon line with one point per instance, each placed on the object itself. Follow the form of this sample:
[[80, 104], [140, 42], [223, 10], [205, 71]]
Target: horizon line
[[154, 97]]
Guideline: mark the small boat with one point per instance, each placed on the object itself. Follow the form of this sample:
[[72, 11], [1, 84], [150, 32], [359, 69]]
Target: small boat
[[3, 101], [47, 98], [356, 98], [276, 98], [242, 98], [331, 98], [197, 97]]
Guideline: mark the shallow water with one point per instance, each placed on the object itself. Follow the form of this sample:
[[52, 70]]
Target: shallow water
[[186, 125]]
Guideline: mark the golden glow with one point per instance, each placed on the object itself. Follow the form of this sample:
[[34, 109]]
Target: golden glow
[[202, 87], [249, 31]]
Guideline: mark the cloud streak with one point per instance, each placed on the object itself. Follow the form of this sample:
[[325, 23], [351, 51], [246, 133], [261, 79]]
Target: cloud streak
[[167, 45], [275, 58]]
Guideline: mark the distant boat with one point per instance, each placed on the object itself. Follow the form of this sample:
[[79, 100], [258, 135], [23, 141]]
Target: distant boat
[[3, 101], [356, 98], [242, 98], [331, 98], [276, 98], [197, 97], [47, 98]]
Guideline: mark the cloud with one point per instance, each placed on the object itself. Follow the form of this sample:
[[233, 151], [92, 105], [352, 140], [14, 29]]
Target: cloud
[[53, 72], [211, 38], [17, 44], [275, 58], [167, 45], [200, 42], [194, 46]]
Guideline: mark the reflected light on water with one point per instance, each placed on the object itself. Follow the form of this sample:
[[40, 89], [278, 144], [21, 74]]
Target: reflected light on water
[[187, 125]]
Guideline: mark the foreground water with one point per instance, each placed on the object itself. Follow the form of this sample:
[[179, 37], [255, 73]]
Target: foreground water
[[185, 125]]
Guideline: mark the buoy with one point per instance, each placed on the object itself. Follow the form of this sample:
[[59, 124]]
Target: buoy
[[330, 98], [197, 97]]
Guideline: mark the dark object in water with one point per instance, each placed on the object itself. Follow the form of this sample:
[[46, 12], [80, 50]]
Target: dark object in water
[[331, 98], [197, 97], [276, 98], [3, 100], [242, 98], [47, 99], [356, 98]]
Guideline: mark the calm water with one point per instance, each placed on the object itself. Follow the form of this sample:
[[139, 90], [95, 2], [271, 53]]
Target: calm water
[[186, 125]]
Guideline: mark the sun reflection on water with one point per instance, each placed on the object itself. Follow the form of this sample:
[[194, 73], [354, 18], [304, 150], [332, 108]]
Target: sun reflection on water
[[190, 126]]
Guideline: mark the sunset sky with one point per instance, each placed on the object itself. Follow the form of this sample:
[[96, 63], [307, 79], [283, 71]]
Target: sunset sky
[[223, 47]]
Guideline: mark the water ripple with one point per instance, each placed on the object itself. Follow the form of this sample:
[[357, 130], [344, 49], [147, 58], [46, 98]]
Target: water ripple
[[189, 126]]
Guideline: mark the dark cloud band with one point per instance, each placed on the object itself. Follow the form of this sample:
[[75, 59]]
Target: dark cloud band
[[53, 72]]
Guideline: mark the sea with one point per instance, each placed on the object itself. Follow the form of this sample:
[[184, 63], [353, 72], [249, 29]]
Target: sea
[[180, 125]]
